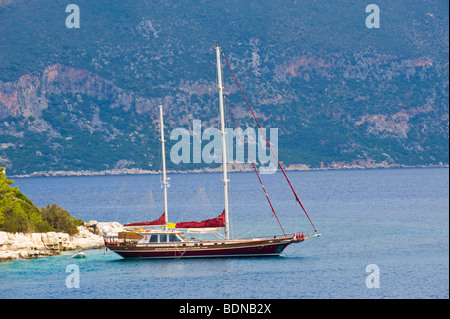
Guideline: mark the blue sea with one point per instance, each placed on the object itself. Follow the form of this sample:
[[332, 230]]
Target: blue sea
[[385, 234]]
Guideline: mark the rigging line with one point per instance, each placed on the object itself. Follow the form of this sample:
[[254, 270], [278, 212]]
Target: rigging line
[[117, 197], [253, 164], [270, 146]]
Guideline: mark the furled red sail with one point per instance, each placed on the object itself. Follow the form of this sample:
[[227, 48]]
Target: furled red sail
[[219, 221], [160, 221]]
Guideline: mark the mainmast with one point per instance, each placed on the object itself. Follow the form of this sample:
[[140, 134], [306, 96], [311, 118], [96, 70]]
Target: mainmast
[[224, 150], [165, 179]]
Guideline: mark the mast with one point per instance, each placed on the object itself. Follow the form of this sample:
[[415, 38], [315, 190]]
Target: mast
[[224, 150], [165, 179]]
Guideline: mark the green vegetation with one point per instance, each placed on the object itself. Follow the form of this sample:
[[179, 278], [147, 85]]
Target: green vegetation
[[60, 219], [19, 214]]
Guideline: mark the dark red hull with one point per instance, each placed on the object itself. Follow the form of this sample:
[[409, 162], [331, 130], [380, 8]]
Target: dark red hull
[[250, 248]]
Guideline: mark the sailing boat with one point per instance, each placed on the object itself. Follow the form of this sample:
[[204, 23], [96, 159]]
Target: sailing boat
[[161, 239]]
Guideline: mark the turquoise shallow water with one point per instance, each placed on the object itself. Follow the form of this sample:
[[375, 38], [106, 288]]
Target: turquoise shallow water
[[396, 219]]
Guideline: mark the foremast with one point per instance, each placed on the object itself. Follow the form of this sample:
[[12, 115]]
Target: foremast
[[165, 179], [224, 149]]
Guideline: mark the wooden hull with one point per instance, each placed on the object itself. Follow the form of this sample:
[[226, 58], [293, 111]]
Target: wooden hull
[[225, 248]]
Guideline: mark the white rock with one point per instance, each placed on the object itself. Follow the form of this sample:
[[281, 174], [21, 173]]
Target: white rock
[[19, 245], [111, 228], [50, 240], [5, 239], [20, 241], [36, 241]]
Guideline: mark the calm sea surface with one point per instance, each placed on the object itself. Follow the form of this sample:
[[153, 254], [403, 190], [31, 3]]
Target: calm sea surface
[[396, 219]]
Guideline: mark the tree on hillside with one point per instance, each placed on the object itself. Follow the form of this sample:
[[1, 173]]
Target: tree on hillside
[[60, 219], [19, 214]]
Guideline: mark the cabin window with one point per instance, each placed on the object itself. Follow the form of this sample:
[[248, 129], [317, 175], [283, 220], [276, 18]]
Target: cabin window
[[173, 238], [163, 238], [153, 239]]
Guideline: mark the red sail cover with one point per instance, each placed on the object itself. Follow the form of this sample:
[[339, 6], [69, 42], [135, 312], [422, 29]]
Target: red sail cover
[[160, 221], [219, 221]]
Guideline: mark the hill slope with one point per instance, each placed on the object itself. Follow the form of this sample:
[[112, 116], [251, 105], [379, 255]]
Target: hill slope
[[77, 99]]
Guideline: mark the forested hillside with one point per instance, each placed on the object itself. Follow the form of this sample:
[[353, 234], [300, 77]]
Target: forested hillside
[[339, 92]]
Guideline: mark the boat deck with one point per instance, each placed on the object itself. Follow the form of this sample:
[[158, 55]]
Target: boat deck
[[257, 246]]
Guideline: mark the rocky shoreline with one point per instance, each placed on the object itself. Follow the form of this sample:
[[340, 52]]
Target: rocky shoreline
[[14, 246]]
